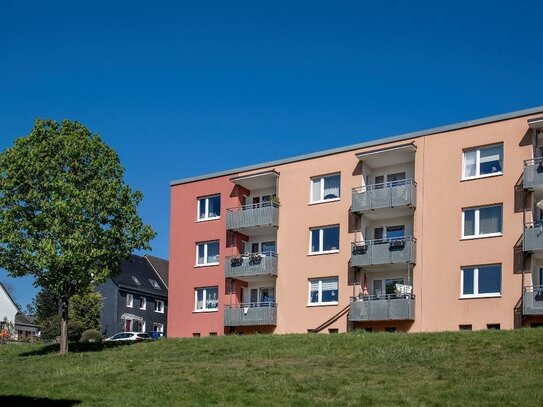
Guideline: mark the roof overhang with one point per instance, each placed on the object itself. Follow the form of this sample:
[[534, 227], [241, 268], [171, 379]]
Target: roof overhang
[[536, 124], [131, 316], [384, 157], [260, 180]]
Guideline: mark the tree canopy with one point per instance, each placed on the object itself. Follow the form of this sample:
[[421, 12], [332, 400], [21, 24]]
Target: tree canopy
[[67, 217]]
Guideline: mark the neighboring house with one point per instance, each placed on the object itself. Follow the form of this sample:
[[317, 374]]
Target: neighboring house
[[136, 299], [434, 230], [24, 326]]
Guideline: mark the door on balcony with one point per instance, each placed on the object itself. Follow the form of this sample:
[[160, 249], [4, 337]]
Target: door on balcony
[[396, 232], [267, 297], [268, 247], [395, 179]]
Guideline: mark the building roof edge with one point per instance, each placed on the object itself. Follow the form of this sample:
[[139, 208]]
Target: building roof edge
[[369, 143]]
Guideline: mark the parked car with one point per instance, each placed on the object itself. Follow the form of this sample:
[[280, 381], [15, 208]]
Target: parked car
[[129, 336]]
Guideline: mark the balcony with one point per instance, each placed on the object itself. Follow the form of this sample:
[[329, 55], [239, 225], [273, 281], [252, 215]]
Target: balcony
[[385, 195], [254, 264], [383, 251], [389, 307], [250, 314], [245, 218], [533, 174], [533, 237], [532, 300]]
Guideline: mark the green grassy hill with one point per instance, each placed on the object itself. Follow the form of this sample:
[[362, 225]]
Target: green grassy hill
[[462, 368]]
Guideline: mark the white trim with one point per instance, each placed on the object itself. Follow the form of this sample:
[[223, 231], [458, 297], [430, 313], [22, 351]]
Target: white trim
[[325, 201], [319, 292], [321, 253], [320, 179], [144, 303], [129, 304], [476, 220], [206, 208], [321, 240], [478, 161], [204, 289], [205, 263], [160, 309], [476, 293]]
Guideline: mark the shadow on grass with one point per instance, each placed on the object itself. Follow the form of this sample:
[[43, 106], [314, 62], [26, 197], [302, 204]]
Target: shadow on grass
[[77, 347], [35, 401]]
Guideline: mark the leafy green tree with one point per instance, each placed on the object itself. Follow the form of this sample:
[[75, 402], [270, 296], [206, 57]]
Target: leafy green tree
[[84, 313], [66, 215]]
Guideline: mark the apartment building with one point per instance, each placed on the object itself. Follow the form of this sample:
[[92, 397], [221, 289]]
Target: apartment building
[[429, 231]]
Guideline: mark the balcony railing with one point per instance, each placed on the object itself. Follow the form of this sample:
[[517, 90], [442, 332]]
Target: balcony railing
[[251, 216], [254, 264], [387, 307], [251, 314], [533, 236], [383, 251], [532, 300], [533, 173], [385, 195]]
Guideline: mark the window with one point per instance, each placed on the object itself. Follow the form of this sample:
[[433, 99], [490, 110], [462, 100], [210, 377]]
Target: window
[[493, 326], [465, 327], [158, 327], [129, 300], [196, 334], [325, 239], [209, 207], [481, 281], [333, 330], [325, 188], [206, 299], [159, 306], [143, 303], [323, 291], [136, 280], [154, 284], [483, 161], [481, 222], [213, 334], [390, 329], [207, 253]]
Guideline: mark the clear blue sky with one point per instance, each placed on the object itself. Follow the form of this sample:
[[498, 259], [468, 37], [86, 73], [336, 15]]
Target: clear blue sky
[[182, 89]]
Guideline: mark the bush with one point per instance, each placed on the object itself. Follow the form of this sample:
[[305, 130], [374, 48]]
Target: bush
[[91, 335]]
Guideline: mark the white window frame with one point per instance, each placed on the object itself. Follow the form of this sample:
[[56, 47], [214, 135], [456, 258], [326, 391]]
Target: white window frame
[[204, 264], [129, 300], [157, 327], [206, 210], [321, 240], [320, 179], [320, 302], [476, 226], [478, 162], [476, 282], [144, 307], [205, 295], [159, 306]]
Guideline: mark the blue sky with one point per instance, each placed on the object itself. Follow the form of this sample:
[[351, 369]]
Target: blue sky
[[186, 88]]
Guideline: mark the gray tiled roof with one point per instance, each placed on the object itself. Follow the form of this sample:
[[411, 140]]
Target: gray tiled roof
[[161, 266], [141, 269]]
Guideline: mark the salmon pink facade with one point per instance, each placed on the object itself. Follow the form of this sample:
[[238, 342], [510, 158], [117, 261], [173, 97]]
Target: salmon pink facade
[[430, 231]]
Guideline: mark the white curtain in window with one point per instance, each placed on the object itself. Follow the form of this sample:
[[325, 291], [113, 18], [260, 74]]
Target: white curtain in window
[[331, 187], [329, 284], [490, 220], [469, 163]]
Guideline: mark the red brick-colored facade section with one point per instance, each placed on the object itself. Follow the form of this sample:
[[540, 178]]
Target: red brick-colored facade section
[[185, 232]]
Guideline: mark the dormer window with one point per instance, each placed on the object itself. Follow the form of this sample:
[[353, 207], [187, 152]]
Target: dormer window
[[154, 284]]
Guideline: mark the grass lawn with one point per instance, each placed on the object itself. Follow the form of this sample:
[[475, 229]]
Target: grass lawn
[[461, 368]]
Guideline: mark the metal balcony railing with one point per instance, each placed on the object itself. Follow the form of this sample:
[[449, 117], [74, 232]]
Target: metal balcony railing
[[386, 307], [383, 251], [251, 216], [532, 300], [247, 314], [533, 173], [533, 236], [385, 195], [251, 264]]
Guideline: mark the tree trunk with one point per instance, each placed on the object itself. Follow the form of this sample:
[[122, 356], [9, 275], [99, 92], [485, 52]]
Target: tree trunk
[[64, 327]]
